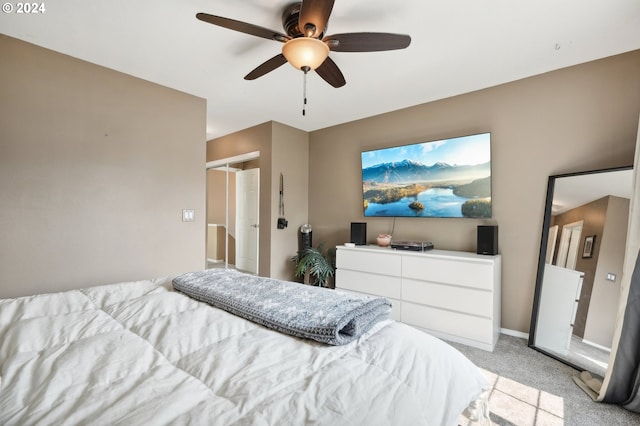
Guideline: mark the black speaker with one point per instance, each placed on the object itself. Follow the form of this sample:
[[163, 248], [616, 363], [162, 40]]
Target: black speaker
[[488, 239], [359, 233]]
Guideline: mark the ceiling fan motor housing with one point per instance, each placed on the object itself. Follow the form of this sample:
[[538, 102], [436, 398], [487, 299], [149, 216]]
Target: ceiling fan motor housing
[[290, 22]]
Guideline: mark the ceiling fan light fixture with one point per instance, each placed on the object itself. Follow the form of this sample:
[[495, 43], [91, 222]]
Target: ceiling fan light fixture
[[304, 52]]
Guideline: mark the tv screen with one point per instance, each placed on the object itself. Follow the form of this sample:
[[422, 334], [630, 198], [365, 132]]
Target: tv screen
[[445, 178]]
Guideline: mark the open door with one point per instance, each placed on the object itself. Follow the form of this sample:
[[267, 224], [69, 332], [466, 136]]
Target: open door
[[247, 219]]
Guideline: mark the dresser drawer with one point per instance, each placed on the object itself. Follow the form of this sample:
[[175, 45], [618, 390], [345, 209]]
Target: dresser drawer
[[376, 263], [451, 271], [456, 324], [461, 299], [364, 282]]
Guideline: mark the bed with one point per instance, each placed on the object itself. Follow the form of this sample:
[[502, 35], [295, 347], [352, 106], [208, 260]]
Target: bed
[[142, 353]]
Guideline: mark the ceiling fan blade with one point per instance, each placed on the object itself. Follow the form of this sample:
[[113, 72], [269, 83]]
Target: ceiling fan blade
[[266, 67], [367, 42], [330, 73], [242, 27], [314, 15]]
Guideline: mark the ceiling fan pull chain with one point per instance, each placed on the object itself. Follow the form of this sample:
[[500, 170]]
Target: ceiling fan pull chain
[[304, 92]]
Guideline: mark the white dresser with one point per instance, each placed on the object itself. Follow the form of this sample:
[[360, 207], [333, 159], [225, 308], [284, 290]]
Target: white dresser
[[452, 295]]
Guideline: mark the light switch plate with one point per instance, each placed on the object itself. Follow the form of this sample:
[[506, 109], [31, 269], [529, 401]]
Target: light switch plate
[[188, 215]]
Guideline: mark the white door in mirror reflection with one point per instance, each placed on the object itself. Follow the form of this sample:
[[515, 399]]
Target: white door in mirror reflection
[[569, 245]]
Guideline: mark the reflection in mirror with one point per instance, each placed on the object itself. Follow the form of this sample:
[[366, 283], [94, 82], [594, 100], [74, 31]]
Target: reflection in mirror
[[221, 201], [580, 266]]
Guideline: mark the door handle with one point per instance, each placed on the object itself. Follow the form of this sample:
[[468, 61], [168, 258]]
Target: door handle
[[255, 225]]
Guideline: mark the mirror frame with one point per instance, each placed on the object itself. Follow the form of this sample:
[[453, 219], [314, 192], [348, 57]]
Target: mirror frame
[[543, 255]]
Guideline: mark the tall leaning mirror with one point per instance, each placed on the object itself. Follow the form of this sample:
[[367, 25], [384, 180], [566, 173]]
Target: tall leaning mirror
[[580, 266]]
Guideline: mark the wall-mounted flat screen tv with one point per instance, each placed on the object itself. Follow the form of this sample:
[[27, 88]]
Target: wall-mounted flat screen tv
[[445, 178]]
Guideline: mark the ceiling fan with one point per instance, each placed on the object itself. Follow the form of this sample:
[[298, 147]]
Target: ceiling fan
[[305, 45]]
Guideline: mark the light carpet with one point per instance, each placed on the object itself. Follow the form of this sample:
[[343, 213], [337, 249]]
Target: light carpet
[[530, 388]]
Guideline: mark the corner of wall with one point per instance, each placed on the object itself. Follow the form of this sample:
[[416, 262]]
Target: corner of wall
[[290, 157]]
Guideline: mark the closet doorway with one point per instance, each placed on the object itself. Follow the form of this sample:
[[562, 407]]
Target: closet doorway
[[233, 212]]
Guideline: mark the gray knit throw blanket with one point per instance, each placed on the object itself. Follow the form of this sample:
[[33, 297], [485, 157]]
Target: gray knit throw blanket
[[321, 314]]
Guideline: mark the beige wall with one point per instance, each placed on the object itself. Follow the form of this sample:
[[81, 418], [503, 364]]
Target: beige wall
[[605, 296], [95, 169], [290, 153], [579, 118], [283, 149], [257, 138]]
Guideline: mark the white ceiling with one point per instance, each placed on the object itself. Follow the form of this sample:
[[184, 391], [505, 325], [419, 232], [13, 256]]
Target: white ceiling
[[457, 46], [574, 191]]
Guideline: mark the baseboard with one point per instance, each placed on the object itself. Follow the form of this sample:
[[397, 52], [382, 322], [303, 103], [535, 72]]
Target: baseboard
[[514, 333], [595, 345]]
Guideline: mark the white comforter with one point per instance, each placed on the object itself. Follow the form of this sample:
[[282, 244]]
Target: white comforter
[[140, 353]]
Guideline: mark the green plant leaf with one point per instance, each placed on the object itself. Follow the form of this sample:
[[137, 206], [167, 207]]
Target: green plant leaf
[[319, 265]]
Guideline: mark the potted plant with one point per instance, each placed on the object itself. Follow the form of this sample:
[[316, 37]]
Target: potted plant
[[315, 264]]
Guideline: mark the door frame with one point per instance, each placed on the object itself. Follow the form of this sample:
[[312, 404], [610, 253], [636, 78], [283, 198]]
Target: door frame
[[565, 238], [551, 243], [223, 164]]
